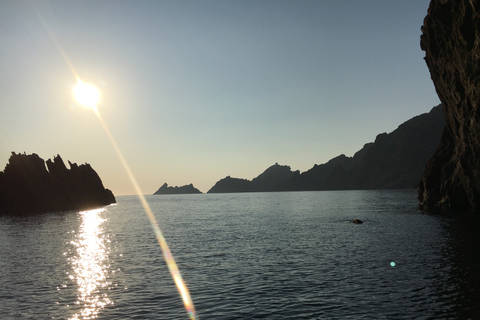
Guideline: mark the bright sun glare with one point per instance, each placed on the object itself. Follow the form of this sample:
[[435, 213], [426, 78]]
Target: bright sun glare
[[86, 94]]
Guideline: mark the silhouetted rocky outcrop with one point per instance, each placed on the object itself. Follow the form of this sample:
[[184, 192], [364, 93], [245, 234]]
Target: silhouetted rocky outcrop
[[451, 41], [267, 181], [394, 161], [229, 185], [26, 186], [188, 189], [272, 177]]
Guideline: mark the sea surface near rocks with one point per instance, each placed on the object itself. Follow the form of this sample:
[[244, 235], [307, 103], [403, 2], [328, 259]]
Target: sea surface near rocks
[[285, 255]]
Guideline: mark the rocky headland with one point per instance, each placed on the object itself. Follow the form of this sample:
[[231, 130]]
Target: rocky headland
[[394, 161], [265, 182], [187, 189], [451, 41], [29, 185]]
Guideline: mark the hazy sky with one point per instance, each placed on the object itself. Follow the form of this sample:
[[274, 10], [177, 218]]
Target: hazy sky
[[194, 91]]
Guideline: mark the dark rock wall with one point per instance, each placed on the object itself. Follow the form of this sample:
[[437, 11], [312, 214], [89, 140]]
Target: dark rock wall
[[451, 39], [26, 186]]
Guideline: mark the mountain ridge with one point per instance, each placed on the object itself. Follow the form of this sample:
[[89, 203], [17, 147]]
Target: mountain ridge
[[394, 160]]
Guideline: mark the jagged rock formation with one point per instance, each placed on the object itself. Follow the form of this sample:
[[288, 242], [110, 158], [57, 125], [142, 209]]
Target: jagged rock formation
[[394, 161], [451, 41], [26, 186], [187, 189], [267, 181]]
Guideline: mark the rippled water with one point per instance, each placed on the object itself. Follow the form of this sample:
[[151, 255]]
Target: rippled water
[[289, 255]]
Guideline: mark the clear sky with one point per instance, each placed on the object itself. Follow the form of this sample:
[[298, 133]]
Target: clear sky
[[194, 91]]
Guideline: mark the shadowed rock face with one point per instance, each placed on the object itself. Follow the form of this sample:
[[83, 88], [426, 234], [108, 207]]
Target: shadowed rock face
[[26, 186], [451, 41]]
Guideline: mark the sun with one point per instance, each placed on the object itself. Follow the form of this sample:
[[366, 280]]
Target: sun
[[86, 94]]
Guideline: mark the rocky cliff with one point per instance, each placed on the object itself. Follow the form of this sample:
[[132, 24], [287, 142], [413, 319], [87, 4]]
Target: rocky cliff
[[394, 161], [26, 186], [188, 189], [451, 41]]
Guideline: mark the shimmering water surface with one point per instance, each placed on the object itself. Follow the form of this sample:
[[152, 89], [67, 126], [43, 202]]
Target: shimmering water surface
[[289, 255]]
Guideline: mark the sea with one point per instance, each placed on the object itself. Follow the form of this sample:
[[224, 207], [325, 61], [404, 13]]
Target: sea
[[278, 255]]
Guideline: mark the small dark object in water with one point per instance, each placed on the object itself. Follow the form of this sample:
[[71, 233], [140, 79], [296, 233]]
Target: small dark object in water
[[357, 221]]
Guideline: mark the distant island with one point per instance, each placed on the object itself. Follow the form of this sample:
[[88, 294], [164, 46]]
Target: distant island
[[26, 186], [187, 189], [394, 161]]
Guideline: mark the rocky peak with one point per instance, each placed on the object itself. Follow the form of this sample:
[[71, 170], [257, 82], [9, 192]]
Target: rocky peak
[[27, 187]]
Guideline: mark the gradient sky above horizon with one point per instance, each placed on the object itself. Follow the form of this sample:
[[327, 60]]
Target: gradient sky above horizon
[[194, 91]]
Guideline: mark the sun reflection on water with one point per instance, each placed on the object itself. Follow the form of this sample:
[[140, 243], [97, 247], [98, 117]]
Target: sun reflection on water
[[90, 265]]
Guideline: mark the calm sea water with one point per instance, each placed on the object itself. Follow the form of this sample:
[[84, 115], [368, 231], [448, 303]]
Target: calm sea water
[[289, 255]]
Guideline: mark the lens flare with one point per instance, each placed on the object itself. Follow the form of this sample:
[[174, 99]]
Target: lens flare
[[167, 254], [88, 95]]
